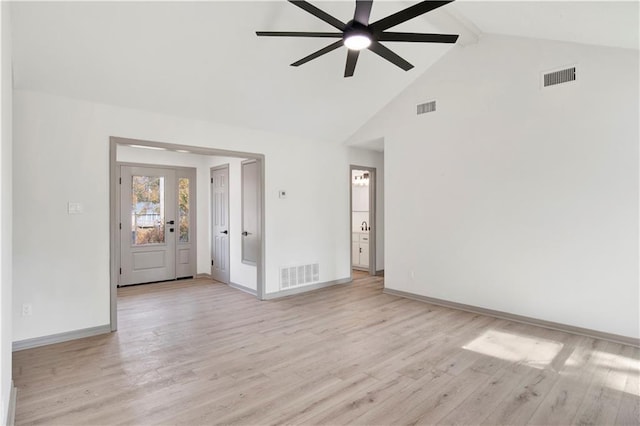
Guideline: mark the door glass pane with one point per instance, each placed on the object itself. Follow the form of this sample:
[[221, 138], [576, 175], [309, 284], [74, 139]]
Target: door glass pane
[[250, 213], [183, 209], [147, 210]]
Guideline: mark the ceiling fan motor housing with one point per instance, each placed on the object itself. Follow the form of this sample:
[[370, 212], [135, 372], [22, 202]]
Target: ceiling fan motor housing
[[356, 30]]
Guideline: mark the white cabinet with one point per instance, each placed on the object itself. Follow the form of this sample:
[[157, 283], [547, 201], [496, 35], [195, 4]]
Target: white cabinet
[[364, 255], [355, 253], [360, 249]]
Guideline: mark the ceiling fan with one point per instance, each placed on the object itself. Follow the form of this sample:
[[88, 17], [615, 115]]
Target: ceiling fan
[[358, 33]]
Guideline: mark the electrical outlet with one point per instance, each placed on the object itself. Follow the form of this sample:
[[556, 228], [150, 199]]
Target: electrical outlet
[[282, 193], [27, 310]]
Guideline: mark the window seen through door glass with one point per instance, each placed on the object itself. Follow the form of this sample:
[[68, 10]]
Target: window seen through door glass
[[183, 209], [147, 210]]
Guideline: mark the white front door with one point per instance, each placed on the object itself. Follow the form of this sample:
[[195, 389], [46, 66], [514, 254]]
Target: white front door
[[220, 224], [148, 225]]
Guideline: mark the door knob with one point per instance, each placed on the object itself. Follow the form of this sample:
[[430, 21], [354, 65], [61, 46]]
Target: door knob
[[224, 232], [245, 233], [171, 222]]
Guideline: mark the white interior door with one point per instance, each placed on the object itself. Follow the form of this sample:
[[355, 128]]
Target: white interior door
[[250, 212], [220, 224], [148, 225]]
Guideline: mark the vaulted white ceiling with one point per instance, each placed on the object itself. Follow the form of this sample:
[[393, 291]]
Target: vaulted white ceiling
[[202, 59]]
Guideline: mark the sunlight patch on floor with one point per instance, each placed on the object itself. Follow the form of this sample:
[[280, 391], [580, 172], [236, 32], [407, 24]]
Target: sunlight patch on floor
[[530, 351], [613, 370]]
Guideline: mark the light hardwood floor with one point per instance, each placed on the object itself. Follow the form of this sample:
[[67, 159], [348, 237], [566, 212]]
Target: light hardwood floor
[[198, 352], [356, 274]]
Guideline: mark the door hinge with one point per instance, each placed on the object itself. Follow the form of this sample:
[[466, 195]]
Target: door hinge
[[211, 262], [120, 181], [120, 225], [120, 271], [211, 180]]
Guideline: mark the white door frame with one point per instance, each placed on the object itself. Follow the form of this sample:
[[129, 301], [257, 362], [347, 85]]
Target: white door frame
[[113, 224], [372, 217]]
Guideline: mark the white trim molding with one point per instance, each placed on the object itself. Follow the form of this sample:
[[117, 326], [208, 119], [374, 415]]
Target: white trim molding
[[625, 340], [243, 288], [60, 337], [11, 409], [305, 289]]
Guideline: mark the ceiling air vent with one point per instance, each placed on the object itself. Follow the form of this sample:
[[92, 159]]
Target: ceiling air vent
[[426, 107], [558, 77]]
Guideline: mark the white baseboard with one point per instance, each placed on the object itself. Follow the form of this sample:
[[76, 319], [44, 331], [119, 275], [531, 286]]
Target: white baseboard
[[243, 288], [305, 289], [11, 409], [625, 340], [60, 337], [203, 276]]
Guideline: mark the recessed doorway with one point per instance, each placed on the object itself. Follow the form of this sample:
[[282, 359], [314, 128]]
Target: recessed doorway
[[362, 215], [153, 221]]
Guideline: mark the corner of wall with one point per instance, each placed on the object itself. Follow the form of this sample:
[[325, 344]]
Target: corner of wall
[[6, 110]]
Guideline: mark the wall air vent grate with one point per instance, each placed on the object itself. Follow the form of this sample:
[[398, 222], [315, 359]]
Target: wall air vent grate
[[296, 276], [559, 77], [426, 107]]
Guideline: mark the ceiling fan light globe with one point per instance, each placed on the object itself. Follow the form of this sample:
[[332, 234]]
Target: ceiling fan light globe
[[357, 41]]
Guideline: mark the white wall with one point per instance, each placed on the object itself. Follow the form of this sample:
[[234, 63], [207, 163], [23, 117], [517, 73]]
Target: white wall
[[5, 215], [522, 200], [61, 262], [240, 273], [370, 158]]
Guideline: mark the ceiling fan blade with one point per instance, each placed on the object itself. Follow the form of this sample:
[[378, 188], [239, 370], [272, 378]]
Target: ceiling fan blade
[[297, 34], [352, 58], [363, 11], [406, 14], [417, 37], [320, 14], [314, 55], [387, 54]]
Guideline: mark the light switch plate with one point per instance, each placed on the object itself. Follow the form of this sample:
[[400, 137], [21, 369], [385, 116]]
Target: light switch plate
[[74, 208], [282, 194]]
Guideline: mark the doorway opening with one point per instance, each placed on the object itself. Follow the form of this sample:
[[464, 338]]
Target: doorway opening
[[156, 215], [362, 215], [166, 193], [235, 228]]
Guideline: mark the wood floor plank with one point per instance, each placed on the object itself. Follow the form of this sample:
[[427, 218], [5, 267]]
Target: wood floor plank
[[200, 352], [519, 406], [562, 402], [629, 411], [601, 403], [440, 403], [406, 399], [477, 406]]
